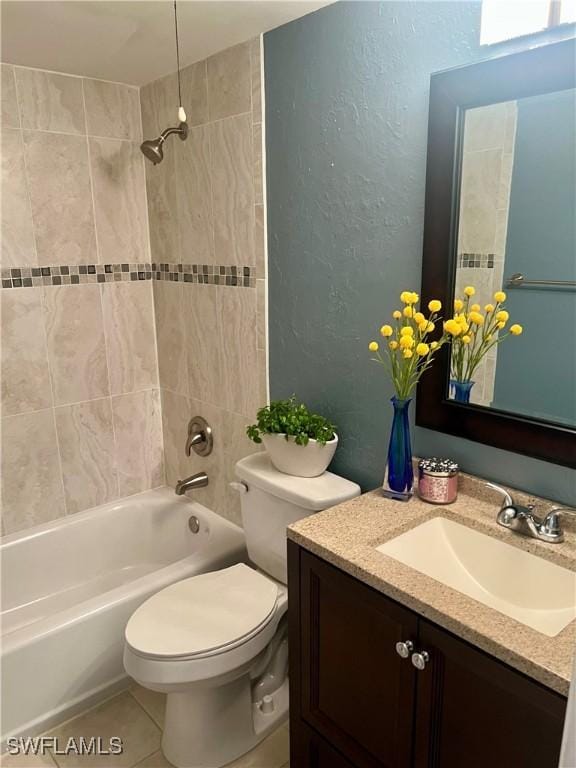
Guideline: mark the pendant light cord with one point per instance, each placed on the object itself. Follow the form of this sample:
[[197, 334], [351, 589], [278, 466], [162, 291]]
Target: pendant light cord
[[177, 54]]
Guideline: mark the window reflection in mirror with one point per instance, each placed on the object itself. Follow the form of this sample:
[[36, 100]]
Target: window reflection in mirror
[[517, 216]]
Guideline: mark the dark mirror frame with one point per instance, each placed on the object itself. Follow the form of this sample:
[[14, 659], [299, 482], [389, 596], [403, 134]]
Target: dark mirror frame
[[536, 71]]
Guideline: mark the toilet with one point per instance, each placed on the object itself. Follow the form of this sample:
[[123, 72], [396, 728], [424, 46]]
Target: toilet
[[216, 643]]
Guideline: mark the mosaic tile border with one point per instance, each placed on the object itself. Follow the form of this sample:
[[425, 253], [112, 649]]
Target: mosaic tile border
[[476, 260], [80, 274], [206, 274]]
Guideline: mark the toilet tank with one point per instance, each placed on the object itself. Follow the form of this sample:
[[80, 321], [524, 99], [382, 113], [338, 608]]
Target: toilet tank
[[273, 500]]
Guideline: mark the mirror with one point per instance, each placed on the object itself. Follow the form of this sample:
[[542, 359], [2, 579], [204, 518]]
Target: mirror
[[501, 215], [516, 232]]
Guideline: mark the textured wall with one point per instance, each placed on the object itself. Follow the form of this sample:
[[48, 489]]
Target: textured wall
[[205, 203], [80, 401], [346, 115]]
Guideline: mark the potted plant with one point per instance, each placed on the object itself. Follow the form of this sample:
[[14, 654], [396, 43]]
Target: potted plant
[[474, 334], [298, 441]]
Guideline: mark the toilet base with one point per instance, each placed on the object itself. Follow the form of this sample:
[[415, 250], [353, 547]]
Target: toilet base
[[212, 726]]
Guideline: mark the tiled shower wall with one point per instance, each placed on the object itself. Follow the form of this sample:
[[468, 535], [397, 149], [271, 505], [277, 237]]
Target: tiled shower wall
[[80, 401], [206, 214]]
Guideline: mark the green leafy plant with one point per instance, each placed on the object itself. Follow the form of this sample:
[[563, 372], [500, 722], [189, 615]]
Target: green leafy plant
[[293, 419]]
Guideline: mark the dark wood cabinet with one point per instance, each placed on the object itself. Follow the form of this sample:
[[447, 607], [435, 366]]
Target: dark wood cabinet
[[356, 703]]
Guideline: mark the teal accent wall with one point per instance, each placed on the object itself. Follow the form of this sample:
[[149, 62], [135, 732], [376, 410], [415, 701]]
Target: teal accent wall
[[536, 373], [346, 134]]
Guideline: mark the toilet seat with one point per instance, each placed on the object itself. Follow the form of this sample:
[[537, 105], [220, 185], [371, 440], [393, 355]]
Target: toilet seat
[[203, 616]]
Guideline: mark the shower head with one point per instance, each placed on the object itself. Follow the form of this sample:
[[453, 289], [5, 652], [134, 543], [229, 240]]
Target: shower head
[[152, 148]]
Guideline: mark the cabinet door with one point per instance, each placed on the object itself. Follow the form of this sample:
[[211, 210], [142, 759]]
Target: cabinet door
[[308, 750], [476, 712], [356, 691]]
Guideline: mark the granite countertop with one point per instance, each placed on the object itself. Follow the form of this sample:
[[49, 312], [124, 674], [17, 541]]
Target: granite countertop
[[346, 536]]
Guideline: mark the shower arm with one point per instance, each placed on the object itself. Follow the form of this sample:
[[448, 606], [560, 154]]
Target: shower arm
[[181, 130]]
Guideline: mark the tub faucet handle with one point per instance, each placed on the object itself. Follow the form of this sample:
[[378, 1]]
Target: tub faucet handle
[[200, 438]]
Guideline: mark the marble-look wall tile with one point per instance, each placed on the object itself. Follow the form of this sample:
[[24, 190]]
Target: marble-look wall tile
[[159, 105], [259, 241], [59, 181], [31, 480], [76, 348], [257, 163], [232, 190], [86, 440], [229, 83], [203, 348], [255, 62], [49, 101], [170, 331], [176, 413], [119, 200], [130, 337], [112, 110], [195, 93], [9, 102], [261, 313], [237, 318], [195, 225], [138, 437], [18, 246], [25, 375], [162, 189]]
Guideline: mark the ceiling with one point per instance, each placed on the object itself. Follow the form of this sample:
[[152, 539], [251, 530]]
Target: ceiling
[[133, 41]]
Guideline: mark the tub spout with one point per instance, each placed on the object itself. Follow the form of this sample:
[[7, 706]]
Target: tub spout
[[199, 480]]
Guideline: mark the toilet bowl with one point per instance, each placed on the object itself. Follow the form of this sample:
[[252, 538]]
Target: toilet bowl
[[216, 643]]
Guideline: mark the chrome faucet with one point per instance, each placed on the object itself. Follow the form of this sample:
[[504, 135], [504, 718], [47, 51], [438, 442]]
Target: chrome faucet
[[199, 480], [522, 519]]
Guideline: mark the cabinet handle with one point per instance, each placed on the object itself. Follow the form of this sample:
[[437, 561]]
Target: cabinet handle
[[419, 660], [404, 649]]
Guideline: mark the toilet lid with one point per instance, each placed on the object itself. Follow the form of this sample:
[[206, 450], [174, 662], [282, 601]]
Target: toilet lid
[[203, 613]]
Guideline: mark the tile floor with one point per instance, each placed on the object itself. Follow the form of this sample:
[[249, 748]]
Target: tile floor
[[137, 717]]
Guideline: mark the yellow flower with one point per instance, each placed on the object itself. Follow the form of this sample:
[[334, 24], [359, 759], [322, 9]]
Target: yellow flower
[[419, 318], [386, 330], [414, 298], [475, 308], [407, 353], [452, 327], [405, 297], [469, 290], [458, 305], [502, 316], [393, 345], [407, 330], [396, 314], [408, 311], [373, 346], [466, 339], [489, 308], [434, 305], [406, 342], [500, 325], [434, 345], [499, 296], [516, 329], [426, 327], [476, 318], [422, 349]]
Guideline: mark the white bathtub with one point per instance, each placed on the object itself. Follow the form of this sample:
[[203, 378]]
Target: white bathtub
[[69, 587]]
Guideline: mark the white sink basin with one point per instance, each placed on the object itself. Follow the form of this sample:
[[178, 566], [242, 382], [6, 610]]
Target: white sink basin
[[525, 587]]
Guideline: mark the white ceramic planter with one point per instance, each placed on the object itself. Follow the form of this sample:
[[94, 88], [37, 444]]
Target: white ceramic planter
[[300, 460]]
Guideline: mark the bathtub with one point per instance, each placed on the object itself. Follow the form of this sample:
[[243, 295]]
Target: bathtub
[[70, 586]]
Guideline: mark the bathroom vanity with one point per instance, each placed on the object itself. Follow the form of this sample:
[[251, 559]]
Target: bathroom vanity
[[391, 668]]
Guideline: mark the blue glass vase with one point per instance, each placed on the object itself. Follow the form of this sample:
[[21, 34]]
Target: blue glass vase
[[461, 390], [399, 477]]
